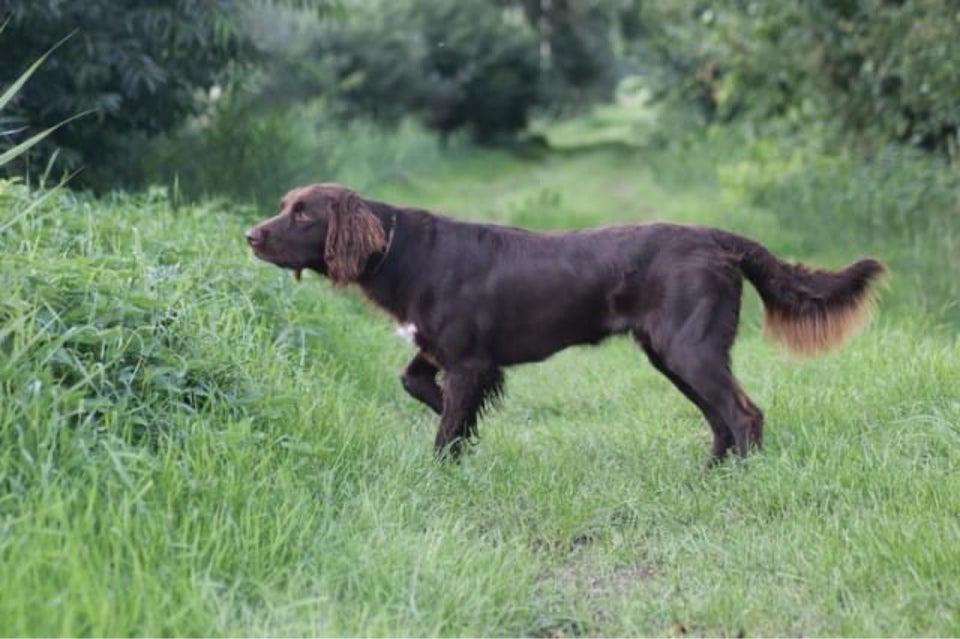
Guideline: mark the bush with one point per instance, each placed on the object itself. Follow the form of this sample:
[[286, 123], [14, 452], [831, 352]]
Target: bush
[[883, 70], [458, 66], [253, 153], [578, 56], [137, 67]]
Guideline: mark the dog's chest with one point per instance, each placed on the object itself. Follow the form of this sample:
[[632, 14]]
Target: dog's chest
[[408, 332]]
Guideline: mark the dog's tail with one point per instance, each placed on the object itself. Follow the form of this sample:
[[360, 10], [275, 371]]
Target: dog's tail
[[808, 310]]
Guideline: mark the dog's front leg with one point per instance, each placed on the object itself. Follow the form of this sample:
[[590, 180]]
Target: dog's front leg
[[465, 390], [419, 379]]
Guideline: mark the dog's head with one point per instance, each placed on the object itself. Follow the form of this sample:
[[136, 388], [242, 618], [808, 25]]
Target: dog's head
[[324, 227]]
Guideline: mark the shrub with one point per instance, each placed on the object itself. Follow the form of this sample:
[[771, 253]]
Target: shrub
[[255, 153], [458, 66], [138, 67], [883, 70]]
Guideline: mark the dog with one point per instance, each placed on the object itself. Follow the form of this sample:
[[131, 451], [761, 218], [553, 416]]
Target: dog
[[476, 298]]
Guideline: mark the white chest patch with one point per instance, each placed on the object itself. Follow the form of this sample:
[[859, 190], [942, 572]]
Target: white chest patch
[[407, 331]]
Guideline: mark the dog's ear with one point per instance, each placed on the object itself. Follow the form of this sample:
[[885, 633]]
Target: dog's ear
[[353, 234]]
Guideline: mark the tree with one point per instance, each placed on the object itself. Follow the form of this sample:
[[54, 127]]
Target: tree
[[458, 65], [481, 68], [137, 67], [882, 69], [576, 44]]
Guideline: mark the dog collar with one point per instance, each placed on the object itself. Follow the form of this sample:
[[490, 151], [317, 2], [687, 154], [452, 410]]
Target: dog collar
[[386, 250]]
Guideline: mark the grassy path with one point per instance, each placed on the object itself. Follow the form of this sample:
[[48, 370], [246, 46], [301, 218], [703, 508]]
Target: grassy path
[[193, 445]]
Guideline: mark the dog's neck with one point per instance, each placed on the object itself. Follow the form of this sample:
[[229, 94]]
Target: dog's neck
[[390, 226], [381, 282]]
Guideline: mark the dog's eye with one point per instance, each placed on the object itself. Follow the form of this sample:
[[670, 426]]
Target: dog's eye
[[299, 212]]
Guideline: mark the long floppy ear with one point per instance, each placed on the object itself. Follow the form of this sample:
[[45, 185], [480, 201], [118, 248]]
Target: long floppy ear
[[353, 234]]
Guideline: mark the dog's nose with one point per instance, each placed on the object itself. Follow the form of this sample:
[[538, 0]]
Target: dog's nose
[[255, 236]]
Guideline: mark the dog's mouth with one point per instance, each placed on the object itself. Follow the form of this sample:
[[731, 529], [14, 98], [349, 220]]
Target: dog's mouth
[[296, 271]]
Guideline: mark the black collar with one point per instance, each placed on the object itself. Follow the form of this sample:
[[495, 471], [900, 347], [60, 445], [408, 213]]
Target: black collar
[[386, 250]]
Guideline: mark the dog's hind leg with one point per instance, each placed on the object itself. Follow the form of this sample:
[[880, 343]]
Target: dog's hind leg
[[419, 379], [703, 366], [689, 341], [723, 439], [466, 390], [701, 370]]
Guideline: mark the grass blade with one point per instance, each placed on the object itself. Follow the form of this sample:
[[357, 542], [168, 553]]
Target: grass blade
[[19, 82], [24, 146]]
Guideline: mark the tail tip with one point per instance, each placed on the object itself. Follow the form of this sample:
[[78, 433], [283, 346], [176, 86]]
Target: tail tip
[[868, 268]]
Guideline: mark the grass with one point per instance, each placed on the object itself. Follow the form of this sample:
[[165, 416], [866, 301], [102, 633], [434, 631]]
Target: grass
[[190, 444], [269, 150]]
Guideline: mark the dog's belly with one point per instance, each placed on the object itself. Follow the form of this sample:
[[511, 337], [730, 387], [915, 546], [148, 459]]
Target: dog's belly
[[536, 348], [549, 329]]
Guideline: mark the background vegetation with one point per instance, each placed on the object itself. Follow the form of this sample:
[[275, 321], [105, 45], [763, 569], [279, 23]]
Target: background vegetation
[[191, 445], [859, 72]]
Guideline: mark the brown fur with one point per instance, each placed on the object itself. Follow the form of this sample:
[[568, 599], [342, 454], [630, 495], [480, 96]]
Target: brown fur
[[810, 311], [482, 297], [354, 234], [821, 331]]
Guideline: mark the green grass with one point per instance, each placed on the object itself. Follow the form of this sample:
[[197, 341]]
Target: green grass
[[190, 444]]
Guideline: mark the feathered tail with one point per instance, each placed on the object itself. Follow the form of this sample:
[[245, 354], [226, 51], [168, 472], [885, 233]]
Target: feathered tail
[[808, 310]]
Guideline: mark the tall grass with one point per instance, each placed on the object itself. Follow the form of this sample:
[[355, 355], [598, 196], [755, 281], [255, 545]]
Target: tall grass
[[190, 444], [183, 446], [901, 205], [250, 152]]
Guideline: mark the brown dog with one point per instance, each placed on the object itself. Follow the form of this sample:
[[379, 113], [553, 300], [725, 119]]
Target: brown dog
[[480, 297]]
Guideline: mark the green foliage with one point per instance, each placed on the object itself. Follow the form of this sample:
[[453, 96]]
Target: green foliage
[[481, 69], [137, 67], [458, 66], [252, 153], [369, 67], [10, 152], [882, 70], [577, 42], [897, 194]]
